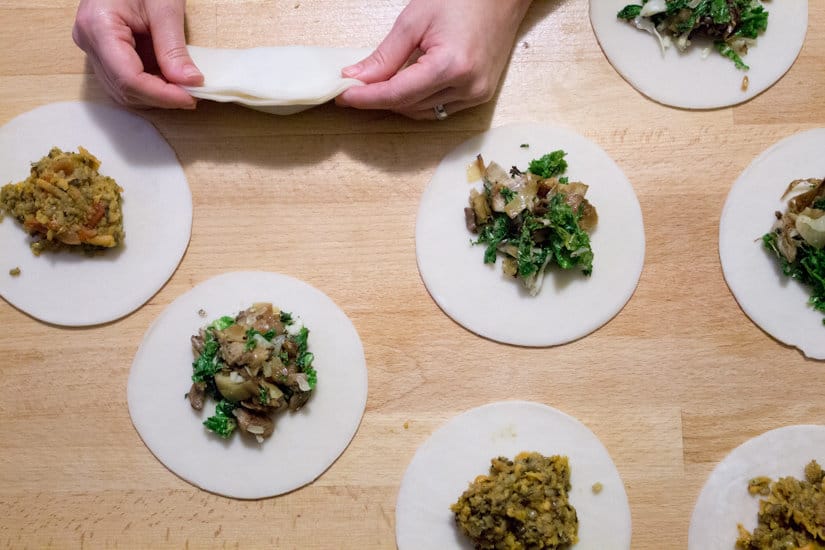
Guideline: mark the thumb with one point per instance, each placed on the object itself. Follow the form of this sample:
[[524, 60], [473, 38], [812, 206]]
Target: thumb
[[166, 27], [391, 54]]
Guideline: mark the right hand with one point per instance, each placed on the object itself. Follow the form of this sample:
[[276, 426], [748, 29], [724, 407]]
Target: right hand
[[125, 39]]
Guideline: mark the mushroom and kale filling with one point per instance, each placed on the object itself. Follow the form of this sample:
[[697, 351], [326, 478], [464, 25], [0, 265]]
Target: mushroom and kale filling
[[792, 514], [533, 219], [797, 239], [521, 504], [66, 202], [253, 364], [733, 25]]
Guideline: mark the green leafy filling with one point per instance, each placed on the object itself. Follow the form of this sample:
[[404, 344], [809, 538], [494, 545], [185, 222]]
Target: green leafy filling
[[564, 242], [752, 21], [551, 164], [808, 268], [223, 421], [305, 358]]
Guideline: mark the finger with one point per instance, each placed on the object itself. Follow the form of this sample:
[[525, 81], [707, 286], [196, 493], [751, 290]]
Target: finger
[[166, 28], [131, 85], [407, 88], [392, 53]]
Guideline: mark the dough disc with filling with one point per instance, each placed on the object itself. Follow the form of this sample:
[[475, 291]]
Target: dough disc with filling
[[280, 80], [480, 296], [305, 442], [776, 303], [68, 287], [725, 502], [686, 79], [460, 450]]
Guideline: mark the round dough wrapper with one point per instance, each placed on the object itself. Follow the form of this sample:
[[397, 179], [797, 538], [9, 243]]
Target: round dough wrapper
[[725, 502], [461, 450], [70, 288], [279, 80], [697, 79], [480, 296], [776, 303], [305, 442]]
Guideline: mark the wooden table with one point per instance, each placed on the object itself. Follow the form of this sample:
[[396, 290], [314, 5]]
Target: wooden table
[[672, 384]]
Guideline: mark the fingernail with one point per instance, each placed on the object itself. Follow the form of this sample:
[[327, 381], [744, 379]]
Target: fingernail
[[352, 71], [190, 71]]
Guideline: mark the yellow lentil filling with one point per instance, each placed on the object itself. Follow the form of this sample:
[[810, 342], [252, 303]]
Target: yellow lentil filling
[[791, 514], [521, 504], [66, 202]]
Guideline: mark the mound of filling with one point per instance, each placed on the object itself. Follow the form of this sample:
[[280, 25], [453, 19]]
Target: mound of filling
[[66, 202], [253, 364], [521, 504], [797, 238], [534, 219], [791, 514], [733, 25]]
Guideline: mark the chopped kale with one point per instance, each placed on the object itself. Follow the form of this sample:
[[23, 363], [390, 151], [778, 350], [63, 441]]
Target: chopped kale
[[508, 194], [551, 164], [630, 12], [223, 422], [752, 22], [301, 340], [493, 234], [808, 268], [730, 53]]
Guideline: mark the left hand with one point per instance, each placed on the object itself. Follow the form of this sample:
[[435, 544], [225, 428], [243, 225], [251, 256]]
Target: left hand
[[464, 45]]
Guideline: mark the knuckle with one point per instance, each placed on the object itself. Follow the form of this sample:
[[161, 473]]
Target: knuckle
[[463, 66], [175, 53], [482, 90]]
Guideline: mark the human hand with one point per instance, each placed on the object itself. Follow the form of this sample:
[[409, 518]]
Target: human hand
[[128, 40], [464, 45]]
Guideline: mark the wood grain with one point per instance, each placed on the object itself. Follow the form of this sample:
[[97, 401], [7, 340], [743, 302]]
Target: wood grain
[[672, 384]]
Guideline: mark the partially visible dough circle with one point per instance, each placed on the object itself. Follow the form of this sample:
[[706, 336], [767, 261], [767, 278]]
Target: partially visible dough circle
[[685, 79], [484, 300], [776, 303], [461, 449], [724, 501], [69, 288], [305, 443]]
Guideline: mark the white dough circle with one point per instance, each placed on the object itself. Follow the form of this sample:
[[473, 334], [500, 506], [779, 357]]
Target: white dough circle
[[305, 442], [457, 452], [776, 303], [486, 301], [281, 80], [725, 502], [698, 78], [68, 287]]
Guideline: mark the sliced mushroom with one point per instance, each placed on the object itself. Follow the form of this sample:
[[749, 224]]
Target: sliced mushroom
[[196, 395], [254, 423]]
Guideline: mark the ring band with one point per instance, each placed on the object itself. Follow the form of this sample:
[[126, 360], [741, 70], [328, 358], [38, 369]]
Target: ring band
[[440, 112]]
